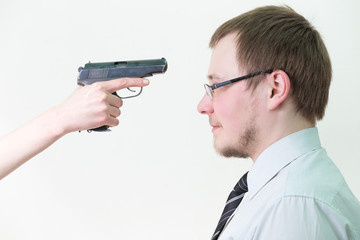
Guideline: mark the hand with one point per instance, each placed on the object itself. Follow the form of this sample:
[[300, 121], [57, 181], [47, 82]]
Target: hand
[[94, 105]]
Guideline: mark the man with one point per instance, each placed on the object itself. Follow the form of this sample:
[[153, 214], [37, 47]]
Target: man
[[293, 190], [87, 108]]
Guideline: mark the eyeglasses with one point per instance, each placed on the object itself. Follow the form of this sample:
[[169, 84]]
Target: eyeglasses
[[210, 88]]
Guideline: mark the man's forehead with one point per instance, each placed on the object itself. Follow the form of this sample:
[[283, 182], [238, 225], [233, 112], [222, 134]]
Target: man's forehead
[[223, 62]]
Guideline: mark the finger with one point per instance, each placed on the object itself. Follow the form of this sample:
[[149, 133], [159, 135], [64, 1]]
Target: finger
[[114, 112], [114, 101], [112, 122], [117, 84]]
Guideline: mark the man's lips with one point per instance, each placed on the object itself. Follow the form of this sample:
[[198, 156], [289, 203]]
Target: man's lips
[[214, 125], [214, 128]]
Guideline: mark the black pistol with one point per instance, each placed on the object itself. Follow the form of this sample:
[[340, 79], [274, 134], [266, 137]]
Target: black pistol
[[105, 71]]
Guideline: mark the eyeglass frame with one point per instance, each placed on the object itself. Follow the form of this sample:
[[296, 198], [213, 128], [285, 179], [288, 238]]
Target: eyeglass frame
[[209, 89]]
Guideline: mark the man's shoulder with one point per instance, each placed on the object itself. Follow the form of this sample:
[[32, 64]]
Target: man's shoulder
[[314, 180], [308, 218], [314, 175]]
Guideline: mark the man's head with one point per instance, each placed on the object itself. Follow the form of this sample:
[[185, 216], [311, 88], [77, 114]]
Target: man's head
[[279, 38], [267, 38]]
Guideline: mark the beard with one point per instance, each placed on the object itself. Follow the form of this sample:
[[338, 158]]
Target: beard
[[243, 146]]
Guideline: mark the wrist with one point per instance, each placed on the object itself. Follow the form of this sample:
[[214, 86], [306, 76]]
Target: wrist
[[57, 122]]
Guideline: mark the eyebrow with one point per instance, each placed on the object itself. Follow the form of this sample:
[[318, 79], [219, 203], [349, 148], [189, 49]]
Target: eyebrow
[[214, 77]]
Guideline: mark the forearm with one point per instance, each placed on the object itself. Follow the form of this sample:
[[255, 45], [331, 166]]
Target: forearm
[[25, 142], [87, 108]]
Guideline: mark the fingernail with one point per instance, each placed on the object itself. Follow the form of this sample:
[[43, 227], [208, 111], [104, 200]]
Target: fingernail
[[145, 81]]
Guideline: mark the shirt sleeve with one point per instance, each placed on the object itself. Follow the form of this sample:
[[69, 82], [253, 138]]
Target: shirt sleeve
[[299, 218]]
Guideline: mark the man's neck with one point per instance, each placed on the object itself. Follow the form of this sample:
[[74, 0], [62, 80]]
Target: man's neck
[[274, 133]]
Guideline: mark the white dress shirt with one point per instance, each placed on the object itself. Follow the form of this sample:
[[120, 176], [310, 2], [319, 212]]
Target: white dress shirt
[[295, 192]]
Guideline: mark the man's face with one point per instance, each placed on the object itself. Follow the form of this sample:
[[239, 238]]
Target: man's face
[[233, 110]]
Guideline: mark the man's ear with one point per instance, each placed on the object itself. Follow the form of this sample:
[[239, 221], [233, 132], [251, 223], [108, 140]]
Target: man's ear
[[279, 88]]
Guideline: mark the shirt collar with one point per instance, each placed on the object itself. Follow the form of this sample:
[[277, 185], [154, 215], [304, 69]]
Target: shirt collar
[[280, 154]]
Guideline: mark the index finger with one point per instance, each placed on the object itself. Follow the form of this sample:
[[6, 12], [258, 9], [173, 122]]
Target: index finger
[[120, 83]]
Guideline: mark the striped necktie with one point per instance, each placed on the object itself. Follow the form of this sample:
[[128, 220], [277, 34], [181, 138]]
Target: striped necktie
[[232, 203]]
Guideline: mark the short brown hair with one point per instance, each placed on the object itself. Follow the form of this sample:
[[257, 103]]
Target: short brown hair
[[275, 37]]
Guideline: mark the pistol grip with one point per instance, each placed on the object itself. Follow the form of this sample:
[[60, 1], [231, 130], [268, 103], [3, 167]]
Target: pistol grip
[[100, 129], [103, 128]]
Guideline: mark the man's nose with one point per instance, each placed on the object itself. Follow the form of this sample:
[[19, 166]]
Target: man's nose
[[205, 105]]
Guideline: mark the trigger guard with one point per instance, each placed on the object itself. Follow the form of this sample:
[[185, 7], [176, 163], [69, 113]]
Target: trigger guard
[[141, 89]]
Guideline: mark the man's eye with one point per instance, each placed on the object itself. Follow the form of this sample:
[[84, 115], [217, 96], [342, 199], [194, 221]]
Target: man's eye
[[224, 87]]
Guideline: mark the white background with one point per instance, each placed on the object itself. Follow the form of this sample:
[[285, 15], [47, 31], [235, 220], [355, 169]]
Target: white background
[[156, 176]]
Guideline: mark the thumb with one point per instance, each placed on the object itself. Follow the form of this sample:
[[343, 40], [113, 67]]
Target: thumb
[[120, 83]]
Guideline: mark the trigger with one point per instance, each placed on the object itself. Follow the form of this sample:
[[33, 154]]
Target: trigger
[[115, 93]]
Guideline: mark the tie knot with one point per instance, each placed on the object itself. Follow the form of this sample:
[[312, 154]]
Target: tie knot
[[241, 186]]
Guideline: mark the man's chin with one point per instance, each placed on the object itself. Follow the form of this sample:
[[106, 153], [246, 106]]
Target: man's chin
[[229, 151]]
